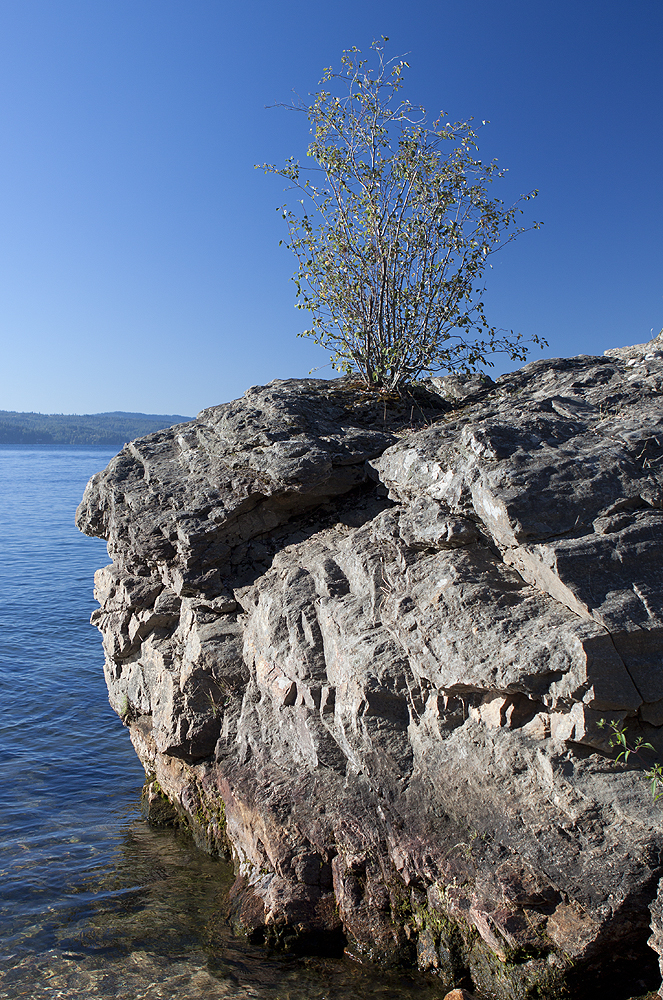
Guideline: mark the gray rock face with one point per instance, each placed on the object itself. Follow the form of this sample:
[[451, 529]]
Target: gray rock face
[[656, 939], [366, 644]]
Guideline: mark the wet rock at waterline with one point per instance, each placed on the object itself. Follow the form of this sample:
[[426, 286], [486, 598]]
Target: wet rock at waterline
[[364, 644]]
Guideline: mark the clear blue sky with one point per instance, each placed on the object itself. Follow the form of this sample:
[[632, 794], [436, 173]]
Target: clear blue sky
[[139, 258]]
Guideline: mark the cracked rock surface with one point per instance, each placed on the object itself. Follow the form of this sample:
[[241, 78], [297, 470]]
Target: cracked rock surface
[[365, 644]]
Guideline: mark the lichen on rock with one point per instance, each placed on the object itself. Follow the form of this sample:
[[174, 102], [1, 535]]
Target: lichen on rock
[[364, 644]]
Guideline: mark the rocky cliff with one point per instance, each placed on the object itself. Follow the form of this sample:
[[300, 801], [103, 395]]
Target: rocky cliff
[[365, 644]]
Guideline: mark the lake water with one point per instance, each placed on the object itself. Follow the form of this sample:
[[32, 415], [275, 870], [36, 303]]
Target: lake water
[[93, 902]]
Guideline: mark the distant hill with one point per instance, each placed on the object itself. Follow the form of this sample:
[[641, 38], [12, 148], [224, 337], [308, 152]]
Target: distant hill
[[110, 430]]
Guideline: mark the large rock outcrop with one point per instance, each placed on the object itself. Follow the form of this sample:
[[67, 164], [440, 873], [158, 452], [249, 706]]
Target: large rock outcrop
[[366, 644]]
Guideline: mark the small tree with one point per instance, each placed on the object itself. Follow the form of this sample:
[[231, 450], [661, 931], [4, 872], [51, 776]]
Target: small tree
[[393, 244]]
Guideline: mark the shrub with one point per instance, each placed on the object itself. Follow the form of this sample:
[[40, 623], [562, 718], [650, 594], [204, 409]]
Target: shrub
[[393, 244]]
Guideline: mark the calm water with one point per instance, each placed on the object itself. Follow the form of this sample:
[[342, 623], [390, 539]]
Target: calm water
[[93, 902]]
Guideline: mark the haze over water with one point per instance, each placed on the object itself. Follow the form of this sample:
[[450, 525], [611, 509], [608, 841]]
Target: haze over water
[[93, 902]]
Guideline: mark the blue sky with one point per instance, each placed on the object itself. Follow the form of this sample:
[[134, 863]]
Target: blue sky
[[139, 261]]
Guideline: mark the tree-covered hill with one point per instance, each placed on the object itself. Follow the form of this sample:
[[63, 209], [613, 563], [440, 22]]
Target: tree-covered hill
[[111, 430]]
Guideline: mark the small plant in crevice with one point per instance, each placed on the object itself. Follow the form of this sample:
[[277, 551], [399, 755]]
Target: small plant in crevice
[[217, 709], [618, 738]]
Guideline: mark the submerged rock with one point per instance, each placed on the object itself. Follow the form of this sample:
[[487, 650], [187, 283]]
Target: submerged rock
[[365, 645]]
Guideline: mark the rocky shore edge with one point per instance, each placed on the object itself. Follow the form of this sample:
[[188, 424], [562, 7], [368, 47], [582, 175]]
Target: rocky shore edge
[[368, 646]]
